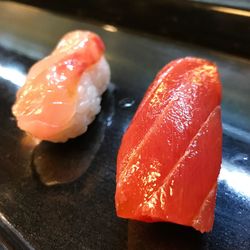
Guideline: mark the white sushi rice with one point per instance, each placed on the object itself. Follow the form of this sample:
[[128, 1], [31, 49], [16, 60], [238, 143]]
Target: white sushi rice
[[94, 81]]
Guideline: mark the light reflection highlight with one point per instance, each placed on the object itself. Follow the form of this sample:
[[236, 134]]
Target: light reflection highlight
[[13, 75], [231, 11], [238, 133], [7, 224], [29, 141], [2, 217], [237, 179], [109, 28]]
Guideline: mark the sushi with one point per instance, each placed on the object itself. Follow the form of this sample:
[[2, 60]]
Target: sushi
[[62, 92], [170, 156]]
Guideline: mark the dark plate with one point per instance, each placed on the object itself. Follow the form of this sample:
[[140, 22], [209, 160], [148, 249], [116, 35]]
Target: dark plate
[[80, 214]]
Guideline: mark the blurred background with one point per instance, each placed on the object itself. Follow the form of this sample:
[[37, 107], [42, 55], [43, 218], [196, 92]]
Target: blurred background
[[218, 24]]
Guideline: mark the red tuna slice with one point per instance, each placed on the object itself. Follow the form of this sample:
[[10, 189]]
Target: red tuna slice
[[169, 159]]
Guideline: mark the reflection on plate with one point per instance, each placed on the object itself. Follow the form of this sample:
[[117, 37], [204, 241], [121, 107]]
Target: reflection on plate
[[65, 162]]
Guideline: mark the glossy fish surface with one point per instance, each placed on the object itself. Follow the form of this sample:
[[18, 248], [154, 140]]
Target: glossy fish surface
[[170, 156]]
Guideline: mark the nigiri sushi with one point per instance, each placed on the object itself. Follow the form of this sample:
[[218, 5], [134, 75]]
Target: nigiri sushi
[[62, 93], [170, 156]]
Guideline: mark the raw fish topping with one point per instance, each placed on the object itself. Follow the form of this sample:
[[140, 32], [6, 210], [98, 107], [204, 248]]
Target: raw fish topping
[[47, 102], [170, 155]]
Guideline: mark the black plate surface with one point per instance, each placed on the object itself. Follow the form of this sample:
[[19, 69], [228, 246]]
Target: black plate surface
[[80, 214]]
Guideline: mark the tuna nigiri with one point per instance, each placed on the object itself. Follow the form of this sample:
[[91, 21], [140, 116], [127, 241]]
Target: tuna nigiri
[[62, 93], [170, 155]]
